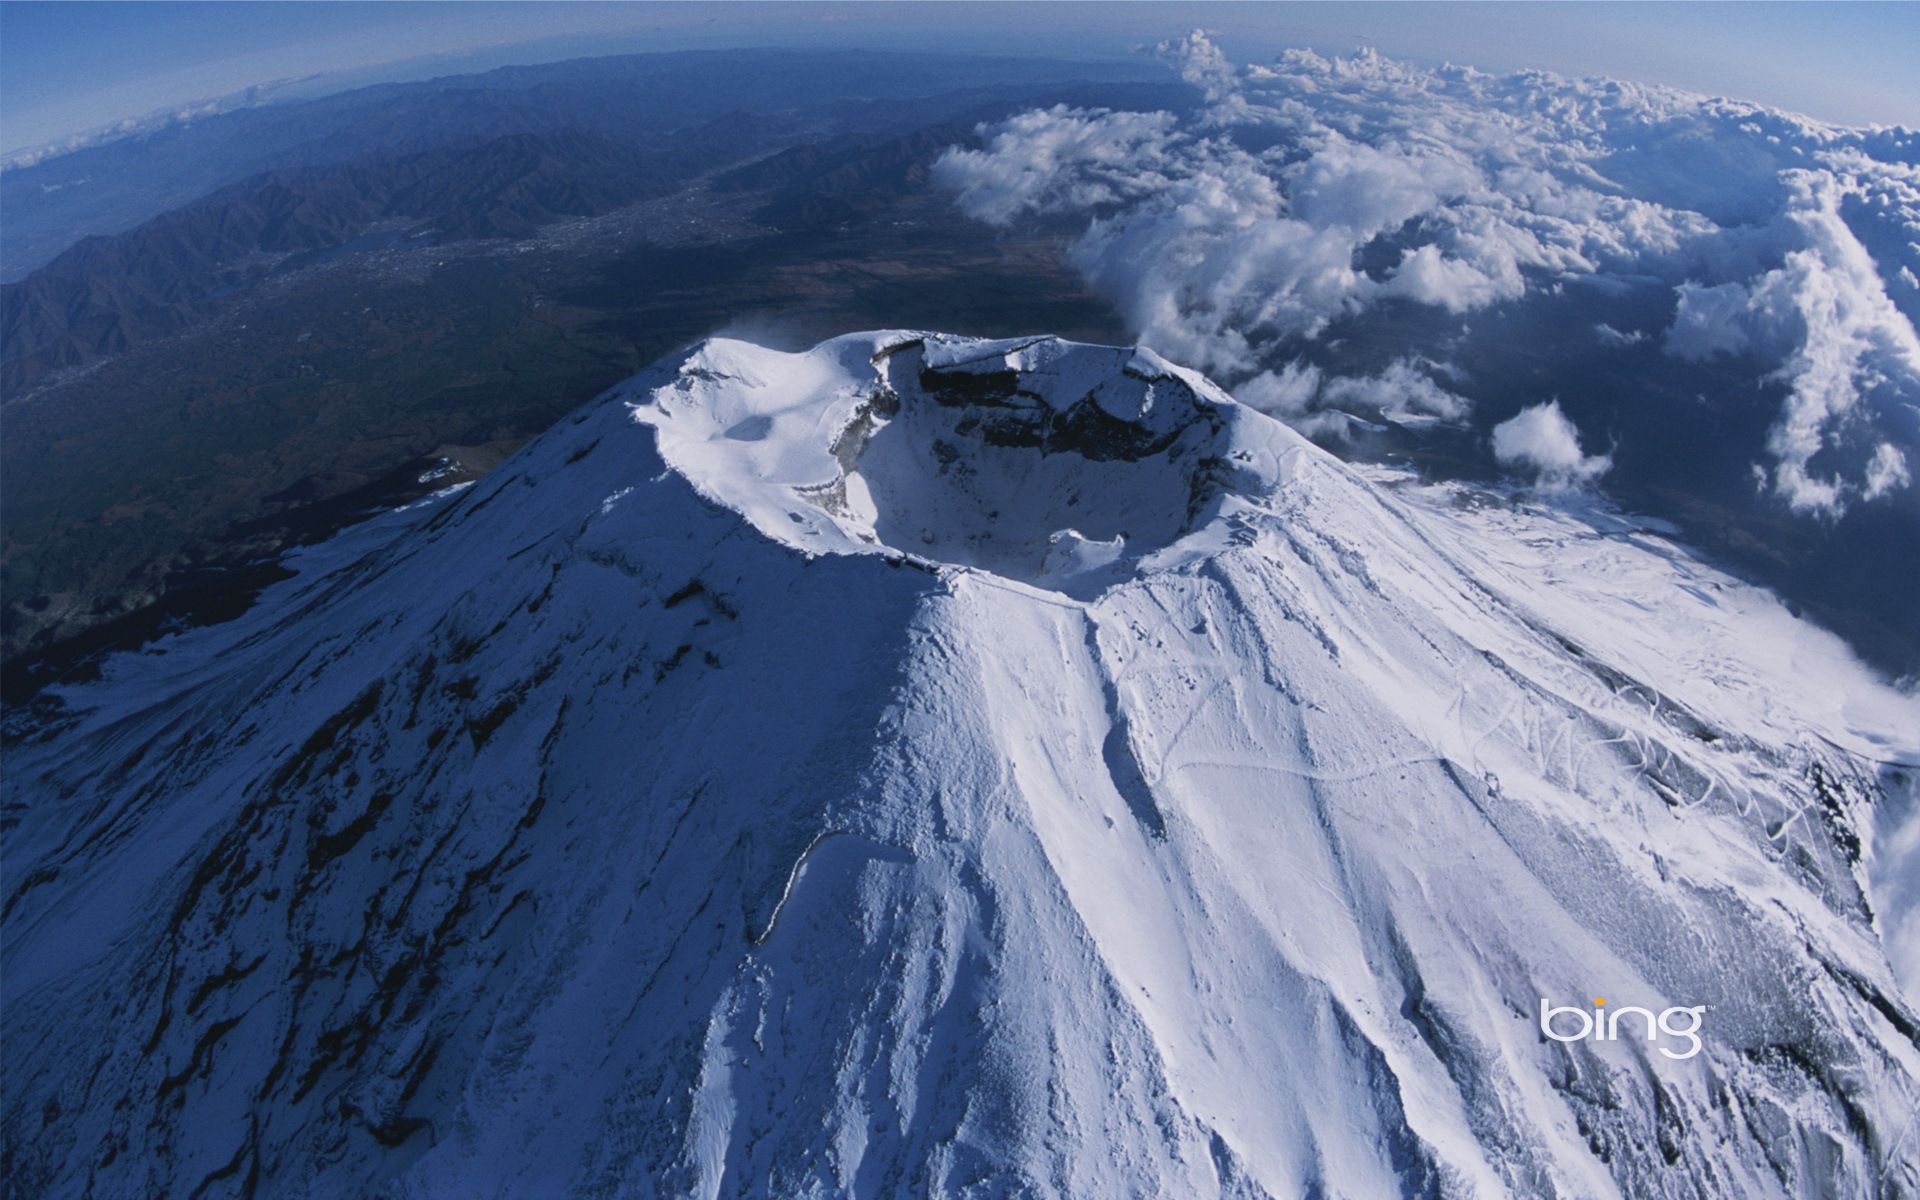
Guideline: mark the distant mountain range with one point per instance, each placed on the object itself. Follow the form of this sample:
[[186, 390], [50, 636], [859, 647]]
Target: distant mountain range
[[645, 101], [507, 153], [107, 293]]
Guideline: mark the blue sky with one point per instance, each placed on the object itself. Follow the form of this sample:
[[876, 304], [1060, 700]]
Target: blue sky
[[69, 67]]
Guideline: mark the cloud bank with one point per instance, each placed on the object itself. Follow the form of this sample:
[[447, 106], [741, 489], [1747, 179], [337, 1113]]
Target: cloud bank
[[1312, 205]]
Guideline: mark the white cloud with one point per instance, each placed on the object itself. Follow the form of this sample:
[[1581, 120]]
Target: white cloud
[[1403, 392], [1287, 394], [1216, 252], [1886, 471], [1541, 441], [1061, 160], [1614, 337], [1824, 316], [1314, 195], [1850, 337]]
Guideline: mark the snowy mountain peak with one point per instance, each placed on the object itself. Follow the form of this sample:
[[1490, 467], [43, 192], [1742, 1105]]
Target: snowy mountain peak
[[564, 836], [1037, 459]]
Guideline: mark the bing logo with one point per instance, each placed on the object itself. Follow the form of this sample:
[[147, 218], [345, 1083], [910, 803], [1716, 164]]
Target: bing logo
[[1603, 1024]]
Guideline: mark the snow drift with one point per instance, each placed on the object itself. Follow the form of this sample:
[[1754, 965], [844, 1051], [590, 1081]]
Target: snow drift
[[922, 766]]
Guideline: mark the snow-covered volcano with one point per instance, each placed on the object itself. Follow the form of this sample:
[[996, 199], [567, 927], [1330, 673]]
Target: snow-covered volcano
[[930, 767]]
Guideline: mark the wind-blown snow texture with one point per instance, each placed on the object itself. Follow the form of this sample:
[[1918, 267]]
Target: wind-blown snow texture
[[930, 767]]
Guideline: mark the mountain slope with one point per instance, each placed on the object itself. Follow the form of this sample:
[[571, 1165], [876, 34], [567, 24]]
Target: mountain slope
[[926, 766]]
